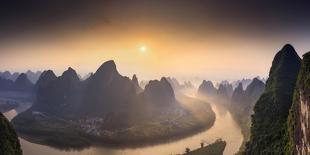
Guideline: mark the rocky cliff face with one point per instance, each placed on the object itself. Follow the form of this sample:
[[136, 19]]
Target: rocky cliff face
[[303, 133], [9, 143], [299, 122]]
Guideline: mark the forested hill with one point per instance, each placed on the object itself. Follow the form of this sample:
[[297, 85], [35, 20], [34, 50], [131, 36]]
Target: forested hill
[[269, 121]]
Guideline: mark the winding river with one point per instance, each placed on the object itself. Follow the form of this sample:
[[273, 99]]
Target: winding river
[[224, 127]]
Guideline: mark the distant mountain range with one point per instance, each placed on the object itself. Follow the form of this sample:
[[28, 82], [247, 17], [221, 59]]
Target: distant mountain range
[[103, 92], [108, 107], [239, 99], [250, 95], [207, 88], [226, 93], [176, 85], [245, 82], [32, 76], [22, 84]]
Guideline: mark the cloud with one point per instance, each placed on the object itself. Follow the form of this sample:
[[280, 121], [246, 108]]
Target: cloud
[[255, 15]]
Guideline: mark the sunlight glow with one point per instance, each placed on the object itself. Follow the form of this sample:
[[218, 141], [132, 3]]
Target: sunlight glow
[[142, 49]]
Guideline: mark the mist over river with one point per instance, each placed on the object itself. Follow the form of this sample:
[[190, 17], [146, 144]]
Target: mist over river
[[224, 127]]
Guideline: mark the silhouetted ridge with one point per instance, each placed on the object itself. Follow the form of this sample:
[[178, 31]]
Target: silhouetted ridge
[[225, 91], [45, 78], [238, 94], [7, 75], [107, 90], [22, 83], [174, 83], [207, 88], [70, 75], [289, 47], [33, 76], [160, 92], [255, 89], [136, 84], [105, 93], [287, 55], [55, 92], [177, 86], [108, 67], [135, 79]]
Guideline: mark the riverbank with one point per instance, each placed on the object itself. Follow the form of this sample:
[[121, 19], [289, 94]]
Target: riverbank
[[66, 134], [216, 148], [237, 138], [7, 105], [223, 122], [243, 118]]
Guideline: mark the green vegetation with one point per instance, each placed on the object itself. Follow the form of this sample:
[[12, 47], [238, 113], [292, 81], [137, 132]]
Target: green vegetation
[[241, 107], [52, 131], [66, 133], [244, 121], [9, 143], [269, 122], [303, 84], [216, 148]]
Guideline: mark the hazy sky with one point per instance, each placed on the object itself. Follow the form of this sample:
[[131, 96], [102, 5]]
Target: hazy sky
[[202, 39]]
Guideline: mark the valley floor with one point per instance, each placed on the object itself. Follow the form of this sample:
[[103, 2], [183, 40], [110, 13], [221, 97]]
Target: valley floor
[[62, 133], [216, 148]]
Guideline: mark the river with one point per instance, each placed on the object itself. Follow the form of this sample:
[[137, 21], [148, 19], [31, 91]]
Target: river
[[224, 127]]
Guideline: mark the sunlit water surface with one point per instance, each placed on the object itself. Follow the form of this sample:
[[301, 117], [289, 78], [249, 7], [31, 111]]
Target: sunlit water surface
[[224, 127]]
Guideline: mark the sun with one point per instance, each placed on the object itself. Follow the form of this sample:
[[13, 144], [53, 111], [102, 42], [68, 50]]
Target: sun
[[143, 49]]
